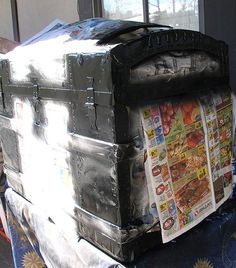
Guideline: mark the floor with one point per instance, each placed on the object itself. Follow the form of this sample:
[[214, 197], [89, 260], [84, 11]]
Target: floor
[[6, 260]]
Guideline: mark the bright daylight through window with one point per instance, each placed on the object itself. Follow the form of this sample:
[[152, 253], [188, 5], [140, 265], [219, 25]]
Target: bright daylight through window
[[177, 13]]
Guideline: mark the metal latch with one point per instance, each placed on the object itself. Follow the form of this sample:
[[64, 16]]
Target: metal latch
[[2, 94], [1, 89], [90, 103], [36, 101]]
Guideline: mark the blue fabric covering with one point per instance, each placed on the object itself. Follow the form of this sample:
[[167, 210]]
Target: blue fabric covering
[[211, 244], [26, 254]]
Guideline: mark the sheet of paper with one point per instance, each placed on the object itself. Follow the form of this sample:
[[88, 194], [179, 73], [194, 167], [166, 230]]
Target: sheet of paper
[[54, 25], [217, 111], [189, 158]]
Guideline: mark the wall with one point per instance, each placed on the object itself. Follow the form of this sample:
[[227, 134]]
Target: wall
[[6, 29], [34, 15], [220, 23]]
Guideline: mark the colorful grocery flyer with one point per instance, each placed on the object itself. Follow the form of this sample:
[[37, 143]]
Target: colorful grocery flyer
[[217, 110], [189, 152]]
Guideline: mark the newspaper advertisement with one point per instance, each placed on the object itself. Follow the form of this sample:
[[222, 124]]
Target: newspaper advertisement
[[178, 142], [217, 110]]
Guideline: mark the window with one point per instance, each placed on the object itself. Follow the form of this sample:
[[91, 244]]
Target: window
[[123, 9], [177, 13]]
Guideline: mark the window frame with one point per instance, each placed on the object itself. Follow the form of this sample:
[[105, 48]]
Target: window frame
[[15, 20], [97, 8], [97, 12]]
